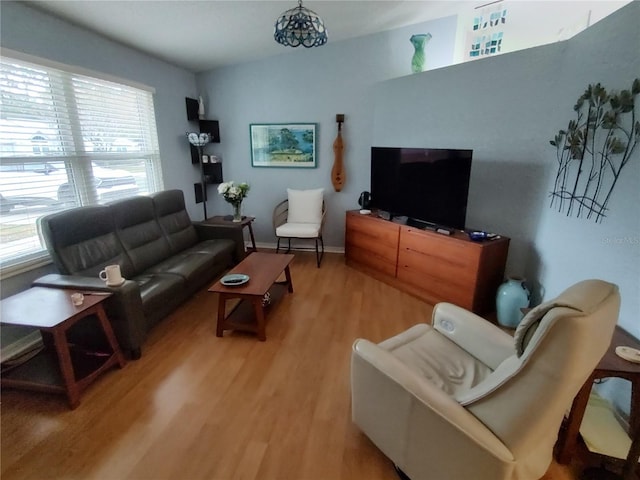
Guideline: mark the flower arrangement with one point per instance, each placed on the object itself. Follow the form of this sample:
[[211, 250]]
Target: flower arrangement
[[232, 193]]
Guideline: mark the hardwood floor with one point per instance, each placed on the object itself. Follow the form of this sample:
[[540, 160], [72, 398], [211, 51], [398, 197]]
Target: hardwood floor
[[200, 407]]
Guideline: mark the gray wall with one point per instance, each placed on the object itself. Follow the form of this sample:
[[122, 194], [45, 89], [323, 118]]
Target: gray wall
[[506, 109], [311, 85], [30, 31]]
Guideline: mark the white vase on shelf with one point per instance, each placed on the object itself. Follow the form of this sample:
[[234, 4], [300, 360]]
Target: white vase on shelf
[[200, 108]]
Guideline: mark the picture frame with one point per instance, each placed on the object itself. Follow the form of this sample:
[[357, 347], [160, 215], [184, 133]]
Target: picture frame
[[288, 145]]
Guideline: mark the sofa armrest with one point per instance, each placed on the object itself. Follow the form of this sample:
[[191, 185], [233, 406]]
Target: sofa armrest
[[473, 334], [208, 231], [124, 307]]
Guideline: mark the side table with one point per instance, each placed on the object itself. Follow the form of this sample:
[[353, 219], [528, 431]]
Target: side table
[[52, 311], [610, 366], [246, 222]]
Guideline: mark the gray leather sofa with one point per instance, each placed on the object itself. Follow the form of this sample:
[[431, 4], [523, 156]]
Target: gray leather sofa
[[163, 255]]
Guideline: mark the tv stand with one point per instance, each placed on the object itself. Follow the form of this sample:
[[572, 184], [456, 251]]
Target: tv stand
[[426, 264]]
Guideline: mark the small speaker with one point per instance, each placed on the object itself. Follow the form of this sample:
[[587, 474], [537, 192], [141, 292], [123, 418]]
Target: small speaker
[[365, 200]]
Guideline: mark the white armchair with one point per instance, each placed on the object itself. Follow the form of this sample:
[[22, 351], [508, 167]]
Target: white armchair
[[463, 399], [301, 216]]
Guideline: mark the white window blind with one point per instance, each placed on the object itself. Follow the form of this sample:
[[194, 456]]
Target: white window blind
[[68, 139]]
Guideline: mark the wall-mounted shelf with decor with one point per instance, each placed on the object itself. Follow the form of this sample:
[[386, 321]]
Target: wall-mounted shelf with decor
[[211, 127], [210, 171]]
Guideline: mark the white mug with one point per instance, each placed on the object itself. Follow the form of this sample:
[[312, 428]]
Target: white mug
[[111, 274]]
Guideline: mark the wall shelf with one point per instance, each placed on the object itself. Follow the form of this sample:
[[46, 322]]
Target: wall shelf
[[210, 172]]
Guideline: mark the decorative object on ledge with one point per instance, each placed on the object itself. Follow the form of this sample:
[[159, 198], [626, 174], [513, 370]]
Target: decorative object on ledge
[[594, 149], [300, 26], [419, 41], [337, 172], [234, 194], [513, 295], [283, 145], [200, 108], [199, 140]]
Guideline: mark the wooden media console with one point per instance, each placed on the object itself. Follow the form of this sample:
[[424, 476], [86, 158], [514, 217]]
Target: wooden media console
[[429, 265]]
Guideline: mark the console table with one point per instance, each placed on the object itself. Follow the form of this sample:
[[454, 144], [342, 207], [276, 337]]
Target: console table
[[429, 265], [60, 367]]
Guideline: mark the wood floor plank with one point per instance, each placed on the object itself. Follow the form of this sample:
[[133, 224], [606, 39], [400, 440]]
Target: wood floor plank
[[196, 406]]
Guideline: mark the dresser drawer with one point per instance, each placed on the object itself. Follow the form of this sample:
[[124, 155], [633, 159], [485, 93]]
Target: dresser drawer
[[372, 260], [374, 231], [440, 248], [359, 241], [438, 269], [437, 289]]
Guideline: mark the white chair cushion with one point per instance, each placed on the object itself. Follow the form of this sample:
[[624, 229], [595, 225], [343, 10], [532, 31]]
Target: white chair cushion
[[305, 206], [298, 230]]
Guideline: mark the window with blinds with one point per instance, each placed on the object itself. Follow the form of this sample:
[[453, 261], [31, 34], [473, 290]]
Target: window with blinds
[[67, 139]]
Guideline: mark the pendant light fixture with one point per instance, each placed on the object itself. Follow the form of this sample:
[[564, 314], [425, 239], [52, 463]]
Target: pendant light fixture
[[300, 26]]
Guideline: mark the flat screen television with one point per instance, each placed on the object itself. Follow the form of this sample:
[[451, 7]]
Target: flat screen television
[[425, 184]]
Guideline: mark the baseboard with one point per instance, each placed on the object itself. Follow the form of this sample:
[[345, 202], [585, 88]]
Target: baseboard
[[24, 344], [272, 246]]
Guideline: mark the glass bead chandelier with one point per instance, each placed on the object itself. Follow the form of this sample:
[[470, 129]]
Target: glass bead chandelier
[[300, 26]]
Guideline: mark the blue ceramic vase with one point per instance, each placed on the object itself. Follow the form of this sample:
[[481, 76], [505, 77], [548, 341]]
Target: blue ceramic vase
[[512, 296]]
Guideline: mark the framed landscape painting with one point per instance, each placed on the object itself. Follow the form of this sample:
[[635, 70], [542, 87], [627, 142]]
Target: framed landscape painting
[[283, 145]]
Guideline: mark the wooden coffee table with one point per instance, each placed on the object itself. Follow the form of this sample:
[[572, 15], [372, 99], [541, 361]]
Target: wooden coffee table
[[60, 368], [263, 270]]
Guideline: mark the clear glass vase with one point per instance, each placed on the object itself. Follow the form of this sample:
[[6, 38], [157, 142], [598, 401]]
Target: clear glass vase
[[237, 212]]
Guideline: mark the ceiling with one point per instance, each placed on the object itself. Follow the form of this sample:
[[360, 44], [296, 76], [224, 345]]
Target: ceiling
[[203, 35]]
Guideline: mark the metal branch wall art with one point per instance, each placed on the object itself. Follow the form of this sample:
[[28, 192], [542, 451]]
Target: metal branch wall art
[[594, 149]]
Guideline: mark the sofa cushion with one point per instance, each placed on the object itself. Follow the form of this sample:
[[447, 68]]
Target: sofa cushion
[[174, 219], [140, 232], [199, 263], [82, 241], [157, 290], [298, 230]]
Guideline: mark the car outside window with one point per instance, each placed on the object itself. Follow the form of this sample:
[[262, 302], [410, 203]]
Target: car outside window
[[67, 140]]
